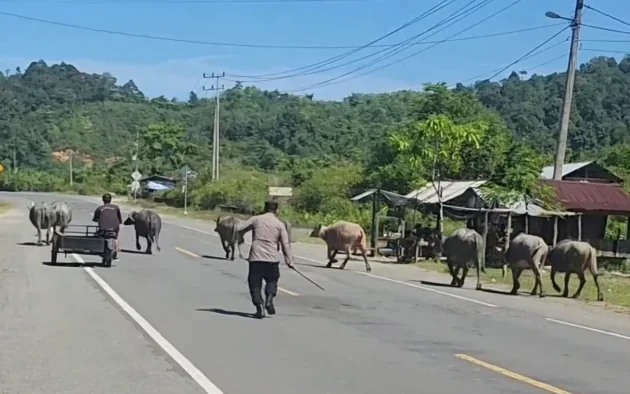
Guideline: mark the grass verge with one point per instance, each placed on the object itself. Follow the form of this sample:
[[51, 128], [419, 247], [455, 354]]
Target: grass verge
[[616, 289]]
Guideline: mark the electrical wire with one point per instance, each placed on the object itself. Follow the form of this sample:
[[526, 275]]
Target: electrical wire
[[607, 15], [432, 10], [605, 51], [171, 39], [232, 44], [189, 1], [605, 29], [393, 50], [328, 82], [528, 53], [536, 53]]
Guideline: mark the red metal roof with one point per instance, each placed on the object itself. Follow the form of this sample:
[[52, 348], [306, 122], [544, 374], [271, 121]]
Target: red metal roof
[[584, 196]]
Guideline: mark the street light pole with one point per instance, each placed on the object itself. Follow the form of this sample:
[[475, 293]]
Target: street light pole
[[561, 146]]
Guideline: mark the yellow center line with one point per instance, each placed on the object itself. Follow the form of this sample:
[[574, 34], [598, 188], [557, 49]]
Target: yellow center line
[[187, 252], [513, 375], [289, 292]]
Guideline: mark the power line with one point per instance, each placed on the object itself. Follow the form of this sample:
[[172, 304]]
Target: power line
[[189, 1], [328, 82], [607, 15], [244, 45], [528, 53], [392, 50], [605, 29], [536, 53], [429, 12], [604, 50]]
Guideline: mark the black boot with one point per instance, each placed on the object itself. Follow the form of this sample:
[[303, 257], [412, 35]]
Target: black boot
[[260, 312], [269, 304]]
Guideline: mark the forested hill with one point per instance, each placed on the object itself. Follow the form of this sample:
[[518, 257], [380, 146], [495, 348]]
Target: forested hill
[[46, 110]]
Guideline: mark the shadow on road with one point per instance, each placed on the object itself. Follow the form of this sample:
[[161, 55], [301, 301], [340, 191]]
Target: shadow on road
[[69, 265], [502, 292], [30, 244], [228, 313], [206, 256], [132, 251], [434, 284]]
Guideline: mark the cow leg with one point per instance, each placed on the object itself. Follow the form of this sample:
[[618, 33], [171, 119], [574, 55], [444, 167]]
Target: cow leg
[[226, 248], [48, 235], [600, 295], [343, 265], [232, 247], [138, 247], [553, 279], [464, 273], [456, 275], [516, 274], [538, 283], [331, 258], [580, 275], [149, 244], [567, 275], [367, 264], [452, 272], [39, 236]]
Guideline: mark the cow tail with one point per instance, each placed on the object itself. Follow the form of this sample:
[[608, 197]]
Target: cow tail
[[234, 233], [481, 256], [363, 240], [592, 261]]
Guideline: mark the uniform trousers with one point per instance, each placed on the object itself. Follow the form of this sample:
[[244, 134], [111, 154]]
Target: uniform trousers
[[259, 270]]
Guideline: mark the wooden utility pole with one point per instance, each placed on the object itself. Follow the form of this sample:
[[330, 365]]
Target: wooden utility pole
[[568, 92], [70, 161], [215, 134]]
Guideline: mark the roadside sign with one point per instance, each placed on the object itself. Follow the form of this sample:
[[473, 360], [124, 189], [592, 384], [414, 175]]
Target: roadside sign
[[1, 169], [135, 185], [136, 176]]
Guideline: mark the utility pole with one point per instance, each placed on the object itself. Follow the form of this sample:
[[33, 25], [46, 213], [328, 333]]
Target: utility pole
[[568, 92], [215, 134], [135, 160], [14, 163], [70, 161]]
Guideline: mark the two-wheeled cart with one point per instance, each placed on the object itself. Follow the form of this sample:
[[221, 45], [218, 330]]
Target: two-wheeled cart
[[84, 240]]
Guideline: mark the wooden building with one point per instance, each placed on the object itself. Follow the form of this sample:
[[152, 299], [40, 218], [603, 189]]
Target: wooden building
[[596, 193]]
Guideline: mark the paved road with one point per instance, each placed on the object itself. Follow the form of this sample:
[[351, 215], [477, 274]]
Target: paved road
[[183, 311]]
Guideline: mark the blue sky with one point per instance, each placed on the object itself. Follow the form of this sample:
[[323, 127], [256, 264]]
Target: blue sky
[[173, 69]]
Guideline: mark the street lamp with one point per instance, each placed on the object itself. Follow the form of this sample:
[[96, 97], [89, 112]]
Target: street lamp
[[552, 15]]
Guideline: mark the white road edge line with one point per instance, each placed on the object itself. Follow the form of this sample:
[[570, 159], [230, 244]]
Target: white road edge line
[[195, 374], [289, 292], [612, 334], [428, 289], [181, 250]]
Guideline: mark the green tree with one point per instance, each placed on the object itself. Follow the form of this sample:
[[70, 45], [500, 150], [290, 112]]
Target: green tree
[[165, 146]]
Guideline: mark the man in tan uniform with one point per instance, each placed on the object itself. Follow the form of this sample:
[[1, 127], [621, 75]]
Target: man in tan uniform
[[269, 235]]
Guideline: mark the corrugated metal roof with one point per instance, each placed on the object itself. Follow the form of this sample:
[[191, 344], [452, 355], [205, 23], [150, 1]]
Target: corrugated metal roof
[[450, 190], [585, 196], [397, 199], [547, 172], [526, 208]]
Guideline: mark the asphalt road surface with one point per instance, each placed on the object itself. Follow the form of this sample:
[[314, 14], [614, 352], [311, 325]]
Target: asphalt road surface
[[178, 322]]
